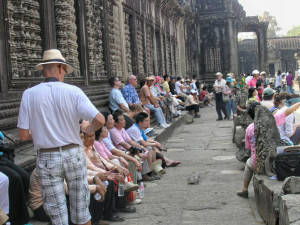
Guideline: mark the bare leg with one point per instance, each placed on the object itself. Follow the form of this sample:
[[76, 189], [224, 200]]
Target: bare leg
[[87, 223]]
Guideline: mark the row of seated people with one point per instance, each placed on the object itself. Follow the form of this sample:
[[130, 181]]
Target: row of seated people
[[160, 95], [282, 106], [118, 155]]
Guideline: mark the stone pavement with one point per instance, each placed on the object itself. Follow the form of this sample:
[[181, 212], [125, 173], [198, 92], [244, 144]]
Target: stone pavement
[[204, 147]]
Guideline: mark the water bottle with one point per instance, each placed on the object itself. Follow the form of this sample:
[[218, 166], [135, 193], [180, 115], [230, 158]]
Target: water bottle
[[97, 196], [141, 190], [120, 190]]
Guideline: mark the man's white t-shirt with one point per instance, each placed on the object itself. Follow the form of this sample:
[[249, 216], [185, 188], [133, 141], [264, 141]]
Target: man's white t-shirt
[[134, 133], [177, 87], [222, 83], [52, 110]]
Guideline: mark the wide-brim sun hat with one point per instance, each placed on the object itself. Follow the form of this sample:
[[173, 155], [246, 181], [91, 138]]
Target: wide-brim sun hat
[[54, 56], [150, 78], [219, 74]]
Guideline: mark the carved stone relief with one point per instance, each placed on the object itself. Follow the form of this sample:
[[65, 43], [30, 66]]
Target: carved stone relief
[[163, 49], [94, 15], [128, 43], [66, 33], [149, 52], [114, 40], [213, 60], [168, 56], [140, 47], [24, 37]]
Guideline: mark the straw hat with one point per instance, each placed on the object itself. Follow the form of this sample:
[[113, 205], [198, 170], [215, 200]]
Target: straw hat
[[219, 74], [53, 56]]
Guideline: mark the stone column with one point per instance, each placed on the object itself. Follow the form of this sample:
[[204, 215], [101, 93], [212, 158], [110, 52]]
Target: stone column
[[232, 30], [297, 76], [181, 48], [4, 53], [262, 47]]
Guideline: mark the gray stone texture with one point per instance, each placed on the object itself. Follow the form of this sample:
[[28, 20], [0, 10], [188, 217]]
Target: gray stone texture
[[289, 210], [267, 136], [291, 185]]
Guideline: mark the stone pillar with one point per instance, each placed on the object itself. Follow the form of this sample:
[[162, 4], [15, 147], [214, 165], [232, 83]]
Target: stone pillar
[[262, 47], [4, 56], [297, 76], [232, 30], [181, 49]]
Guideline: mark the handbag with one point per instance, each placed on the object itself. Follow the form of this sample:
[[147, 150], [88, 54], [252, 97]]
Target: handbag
[[226, 98], [288, 163]]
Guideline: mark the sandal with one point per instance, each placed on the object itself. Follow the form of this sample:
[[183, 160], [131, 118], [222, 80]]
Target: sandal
[[173, 164], [163, 149]]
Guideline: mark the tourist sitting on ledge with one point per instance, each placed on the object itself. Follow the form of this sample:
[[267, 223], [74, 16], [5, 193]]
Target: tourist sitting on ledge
[[252, 93], [250, 142], [116, 99], [205, 96], [192, 104]]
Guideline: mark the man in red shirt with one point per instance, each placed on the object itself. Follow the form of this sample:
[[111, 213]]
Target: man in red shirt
[[205, 96]]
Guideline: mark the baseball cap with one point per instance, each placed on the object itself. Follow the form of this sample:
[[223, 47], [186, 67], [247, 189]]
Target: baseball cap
[[193, 92], [268, 91]]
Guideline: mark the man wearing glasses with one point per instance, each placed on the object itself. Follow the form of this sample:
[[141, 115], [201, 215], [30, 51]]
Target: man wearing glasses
[[49, 115], [116, 99]]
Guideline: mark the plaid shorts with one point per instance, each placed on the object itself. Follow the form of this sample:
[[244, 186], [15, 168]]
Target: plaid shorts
[[55, 167]]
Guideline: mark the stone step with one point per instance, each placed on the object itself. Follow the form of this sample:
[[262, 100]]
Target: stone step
[[10, 105], [7, 113], [98, 97], [8, 123]]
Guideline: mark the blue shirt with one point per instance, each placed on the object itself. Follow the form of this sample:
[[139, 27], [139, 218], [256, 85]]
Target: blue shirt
[[115, 99], [130, 95], [142, 132]]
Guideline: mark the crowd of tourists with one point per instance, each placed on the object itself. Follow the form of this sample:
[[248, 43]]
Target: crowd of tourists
[[91, 165]]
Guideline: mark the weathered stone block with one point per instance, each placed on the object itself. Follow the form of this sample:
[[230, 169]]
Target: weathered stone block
[[289, 210], [194, 178], [291, 185]]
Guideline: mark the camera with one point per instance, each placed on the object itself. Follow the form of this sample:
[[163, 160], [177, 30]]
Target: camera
[[134, 150]]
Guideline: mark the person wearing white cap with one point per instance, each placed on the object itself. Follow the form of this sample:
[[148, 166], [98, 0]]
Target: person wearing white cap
[[192, 103], [218, 87], [49, 115], [252, 83]]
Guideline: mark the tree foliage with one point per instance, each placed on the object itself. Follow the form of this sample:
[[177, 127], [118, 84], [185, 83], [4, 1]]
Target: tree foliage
[[273, 25], [295, 31]]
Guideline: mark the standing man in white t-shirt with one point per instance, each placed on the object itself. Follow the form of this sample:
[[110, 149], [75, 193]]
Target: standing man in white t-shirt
[[218, 87], [49, 115]]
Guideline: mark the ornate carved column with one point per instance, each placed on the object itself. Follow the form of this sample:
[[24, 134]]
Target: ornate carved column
[[232, 30]]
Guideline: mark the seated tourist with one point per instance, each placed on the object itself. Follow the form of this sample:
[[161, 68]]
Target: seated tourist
[[149, 101], [192, 104], [119, 162], [116, 99], [170, 100], [205, 96], [252, 93], [179, 86], [288, 131], [268, 98], [136, 132], [17, 189], [109, 124], [4, 200], [122, 141], [130, 94], [250, 142]]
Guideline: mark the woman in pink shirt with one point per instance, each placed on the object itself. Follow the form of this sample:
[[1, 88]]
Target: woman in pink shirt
[[106, 154], [250, 142]]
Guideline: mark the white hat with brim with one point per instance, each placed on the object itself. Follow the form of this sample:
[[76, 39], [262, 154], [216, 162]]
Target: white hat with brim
[[255, 72], [54, 56], [219, 74]]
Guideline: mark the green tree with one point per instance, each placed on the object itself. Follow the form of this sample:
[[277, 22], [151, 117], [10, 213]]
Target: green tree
[[273, 25], [295, 31]]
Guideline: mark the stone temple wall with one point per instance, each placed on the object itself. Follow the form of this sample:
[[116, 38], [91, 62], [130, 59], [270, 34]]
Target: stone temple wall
[[100, 38]]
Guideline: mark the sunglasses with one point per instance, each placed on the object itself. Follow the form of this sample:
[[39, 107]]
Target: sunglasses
[[64, 68]]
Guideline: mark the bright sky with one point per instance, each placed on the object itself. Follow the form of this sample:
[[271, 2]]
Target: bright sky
[[287, 12]]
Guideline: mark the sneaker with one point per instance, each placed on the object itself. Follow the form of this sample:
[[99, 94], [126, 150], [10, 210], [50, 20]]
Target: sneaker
[[219, 119], [135, 201], [163, 125], [156, 177], [197, 116], [147, 178], [152, 134], [243, 194], [175, 115], [129, 186], [180, 107], [171, 120]]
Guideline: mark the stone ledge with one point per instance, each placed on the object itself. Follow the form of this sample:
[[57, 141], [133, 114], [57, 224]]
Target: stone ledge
[[273, 206]]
